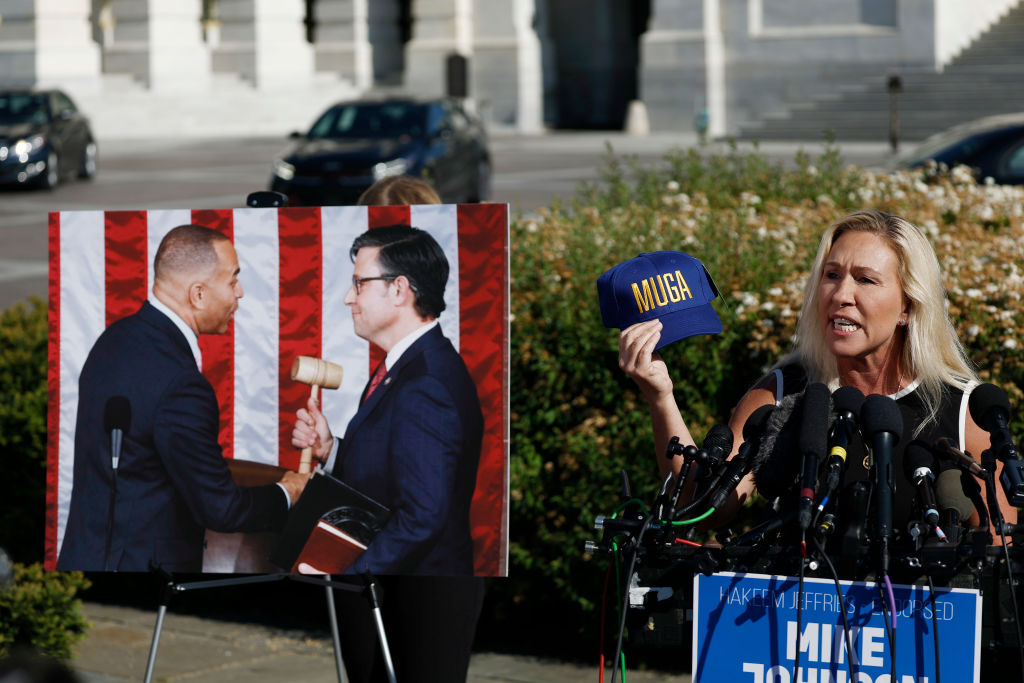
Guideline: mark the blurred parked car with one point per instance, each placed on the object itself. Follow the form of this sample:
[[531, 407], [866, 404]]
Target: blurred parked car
[[43, 139], [356, 143], [992, 146]]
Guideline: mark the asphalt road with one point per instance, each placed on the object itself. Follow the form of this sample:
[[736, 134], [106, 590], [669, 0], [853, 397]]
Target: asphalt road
[[529, 171]]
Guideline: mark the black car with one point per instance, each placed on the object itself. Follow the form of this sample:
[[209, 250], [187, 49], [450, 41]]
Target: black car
[[993, 147], [354, 144], [43, 139]]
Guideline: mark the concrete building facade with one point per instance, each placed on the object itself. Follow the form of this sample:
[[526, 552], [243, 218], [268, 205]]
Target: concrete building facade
[[269, 66]]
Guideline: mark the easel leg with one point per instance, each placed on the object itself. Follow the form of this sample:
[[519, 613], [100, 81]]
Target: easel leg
[[374, 598], [333, 615], [156, 641]]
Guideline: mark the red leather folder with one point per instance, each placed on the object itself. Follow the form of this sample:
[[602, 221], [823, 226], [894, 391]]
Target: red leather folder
[[328, 528]]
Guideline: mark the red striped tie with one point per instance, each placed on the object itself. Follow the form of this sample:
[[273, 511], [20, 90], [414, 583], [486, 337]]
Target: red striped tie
[[378, 375]]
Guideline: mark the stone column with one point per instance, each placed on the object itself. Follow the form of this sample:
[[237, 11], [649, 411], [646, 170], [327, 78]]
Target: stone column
[[505, 65], [682, 60], [48, 43], [159, 43], [440, 28], [341, 44], [264, 42]]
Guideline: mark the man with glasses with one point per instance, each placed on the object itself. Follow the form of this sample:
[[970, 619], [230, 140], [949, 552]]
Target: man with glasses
[[414, 443]]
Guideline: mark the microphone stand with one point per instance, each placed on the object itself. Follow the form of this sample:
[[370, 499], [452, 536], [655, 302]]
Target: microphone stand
[[988, 463]]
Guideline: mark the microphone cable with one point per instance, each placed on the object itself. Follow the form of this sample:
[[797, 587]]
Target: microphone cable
[[800, 604], [694, 520], [935, 626], [604, 612], [889, 617], [614, 553], [625, 599], [842, 605], [999, 521]]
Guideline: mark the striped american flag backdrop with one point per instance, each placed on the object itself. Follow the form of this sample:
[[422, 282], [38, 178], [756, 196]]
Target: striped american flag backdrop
[[295, 270]]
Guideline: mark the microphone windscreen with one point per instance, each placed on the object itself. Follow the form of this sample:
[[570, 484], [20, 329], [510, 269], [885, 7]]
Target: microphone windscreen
[[756, 423], [949, 494], [848, 400], [881, 414], [917, 454], [720, 436], [815, 419], [117, 414], [985, 399]]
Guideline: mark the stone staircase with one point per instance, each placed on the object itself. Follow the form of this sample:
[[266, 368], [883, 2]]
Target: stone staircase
[[121, 108], [986, 78]]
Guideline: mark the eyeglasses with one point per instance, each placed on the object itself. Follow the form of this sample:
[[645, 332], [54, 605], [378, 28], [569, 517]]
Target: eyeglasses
[[357, 282]]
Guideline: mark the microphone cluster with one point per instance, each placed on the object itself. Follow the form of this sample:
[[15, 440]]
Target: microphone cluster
[[828, 425], [663, 556]]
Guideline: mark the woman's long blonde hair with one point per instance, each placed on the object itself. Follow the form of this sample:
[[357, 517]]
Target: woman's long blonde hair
[[932, 352]]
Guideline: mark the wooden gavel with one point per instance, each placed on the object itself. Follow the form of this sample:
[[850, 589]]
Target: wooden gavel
[[317, 373]]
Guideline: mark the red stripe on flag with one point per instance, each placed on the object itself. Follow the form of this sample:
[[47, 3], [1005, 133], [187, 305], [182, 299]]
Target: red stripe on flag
[[300, 317], [219, 349], [127, 262], [379, 217], [53, 397], [483, 300]]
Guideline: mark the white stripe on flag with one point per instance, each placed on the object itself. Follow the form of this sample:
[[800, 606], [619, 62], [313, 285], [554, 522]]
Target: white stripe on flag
[[256, 336], [441, 221], [340, 225], [83, 313]]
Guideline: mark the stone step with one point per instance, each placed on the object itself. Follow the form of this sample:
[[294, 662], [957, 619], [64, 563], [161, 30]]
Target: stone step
[[122, 109], [986, 78]]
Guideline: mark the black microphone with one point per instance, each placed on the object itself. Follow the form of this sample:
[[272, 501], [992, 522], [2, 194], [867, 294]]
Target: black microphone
[[718, 443], [714, 453], [990, 408], [813, 443], [717, 446], [117, 417], [881, 419], [948, 450], [740, 464], [953, 504], [847, 402], [918, 468]]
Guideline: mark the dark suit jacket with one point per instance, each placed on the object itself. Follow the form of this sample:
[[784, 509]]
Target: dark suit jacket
[[414, 446], [172, 481]]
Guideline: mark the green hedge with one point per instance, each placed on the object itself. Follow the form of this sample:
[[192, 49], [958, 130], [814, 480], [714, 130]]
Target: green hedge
[[39, 611], [23, 429]]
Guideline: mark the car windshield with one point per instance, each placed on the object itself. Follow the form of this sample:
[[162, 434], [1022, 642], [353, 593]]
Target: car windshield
[[20, 108], [387, 120]]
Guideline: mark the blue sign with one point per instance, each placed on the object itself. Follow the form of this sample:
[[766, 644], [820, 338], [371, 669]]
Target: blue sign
[[745, 631]]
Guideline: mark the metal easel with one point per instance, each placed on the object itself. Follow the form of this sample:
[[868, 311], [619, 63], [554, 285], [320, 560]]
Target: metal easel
[[370, 589]]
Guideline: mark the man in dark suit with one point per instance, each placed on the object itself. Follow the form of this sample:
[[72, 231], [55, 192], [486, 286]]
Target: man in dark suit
[[414, 446], [171, 482]]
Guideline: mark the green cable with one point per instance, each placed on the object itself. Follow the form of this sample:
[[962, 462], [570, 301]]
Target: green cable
[[695, 519], [623, 506]]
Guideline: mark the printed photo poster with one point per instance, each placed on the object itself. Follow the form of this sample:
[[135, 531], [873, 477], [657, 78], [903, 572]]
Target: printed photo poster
[[295, 270]]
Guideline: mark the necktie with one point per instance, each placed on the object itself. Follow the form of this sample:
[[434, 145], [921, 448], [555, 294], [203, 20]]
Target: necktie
[[378, 375]]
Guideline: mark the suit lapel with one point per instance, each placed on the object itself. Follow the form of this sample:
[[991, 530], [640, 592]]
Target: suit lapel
[[391, 380]]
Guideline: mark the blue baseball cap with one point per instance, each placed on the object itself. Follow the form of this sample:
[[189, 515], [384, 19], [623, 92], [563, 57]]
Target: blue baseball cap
[[670, 286]]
